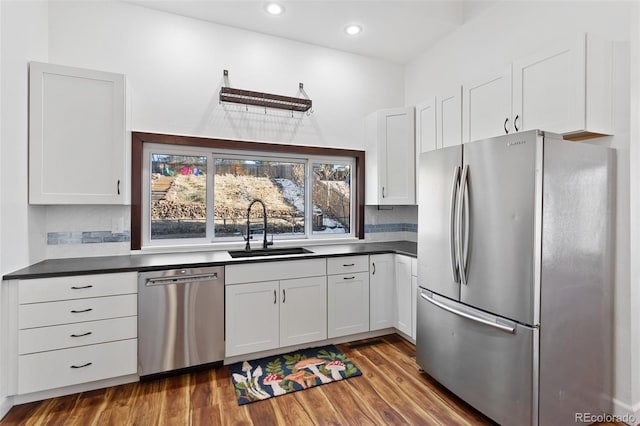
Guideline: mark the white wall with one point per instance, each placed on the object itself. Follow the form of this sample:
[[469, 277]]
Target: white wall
[[174, 69], [23, 37], [510, 30]]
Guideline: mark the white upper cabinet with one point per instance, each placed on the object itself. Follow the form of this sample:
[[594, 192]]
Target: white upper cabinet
[[426, 134], [390, 161], [486, 107], [77, 139], [566, 88], [449, 118]]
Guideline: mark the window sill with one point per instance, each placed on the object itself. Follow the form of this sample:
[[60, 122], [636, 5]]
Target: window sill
[[240, 245]]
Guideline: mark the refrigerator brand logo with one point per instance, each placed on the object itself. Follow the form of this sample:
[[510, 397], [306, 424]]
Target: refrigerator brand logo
[[516, 143]]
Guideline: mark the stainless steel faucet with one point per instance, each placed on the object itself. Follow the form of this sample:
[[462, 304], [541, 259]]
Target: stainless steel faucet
[[265, 243]]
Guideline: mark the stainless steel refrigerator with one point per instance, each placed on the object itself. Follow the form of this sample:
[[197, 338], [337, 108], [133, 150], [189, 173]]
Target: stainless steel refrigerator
[[515, 255]]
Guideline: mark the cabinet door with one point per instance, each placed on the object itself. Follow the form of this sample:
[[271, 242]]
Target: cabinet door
[[251, 317], [426, 126], [348, 304], [449, 118], [390, 165], [425, 132], [403, 294], [414, 306], [486, 107], [381, 291], [303, 310], [397, 164], [77, 144], [549, 88]]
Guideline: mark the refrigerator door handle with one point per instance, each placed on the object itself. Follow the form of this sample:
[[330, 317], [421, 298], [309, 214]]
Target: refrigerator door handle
[[453, 241], [466, 315], [462, 206]]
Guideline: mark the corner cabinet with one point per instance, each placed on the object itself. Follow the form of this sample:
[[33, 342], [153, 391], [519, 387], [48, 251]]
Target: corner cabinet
[[77, 139], [390, 165]]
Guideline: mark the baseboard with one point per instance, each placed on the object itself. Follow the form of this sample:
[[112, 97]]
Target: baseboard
[[625, 412], [5, 405]]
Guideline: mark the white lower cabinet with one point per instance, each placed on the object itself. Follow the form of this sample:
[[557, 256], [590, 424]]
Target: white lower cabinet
[[404, 310], [252, 314], [55, 369], [72, 330], [348, 304], [280, 312], [382, 291]]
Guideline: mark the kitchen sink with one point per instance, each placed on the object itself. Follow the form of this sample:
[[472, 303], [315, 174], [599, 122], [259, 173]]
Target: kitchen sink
[[269, 252]]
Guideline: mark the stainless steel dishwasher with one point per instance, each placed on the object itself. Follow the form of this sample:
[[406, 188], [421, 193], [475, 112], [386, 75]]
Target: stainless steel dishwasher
[[180, 319]]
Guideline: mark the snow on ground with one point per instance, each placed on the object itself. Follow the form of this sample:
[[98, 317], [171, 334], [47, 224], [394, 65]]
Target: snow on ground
[[295, 195]]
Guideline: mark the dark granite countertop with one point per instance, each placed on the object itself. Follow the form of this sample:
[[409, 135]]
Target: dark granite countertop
[[156, 262]]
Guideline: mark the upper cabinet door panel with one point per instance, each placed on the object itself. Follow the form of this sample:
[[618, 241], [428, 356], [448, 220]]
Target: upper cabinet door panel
[[566, 88], [390, 165], [549, 88], [449, 115], [426, 126], [486, 107], [77, 144]]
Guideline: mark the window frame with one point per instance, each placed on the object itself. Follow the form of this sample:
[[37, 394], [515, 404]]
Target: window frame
[[210, 146]]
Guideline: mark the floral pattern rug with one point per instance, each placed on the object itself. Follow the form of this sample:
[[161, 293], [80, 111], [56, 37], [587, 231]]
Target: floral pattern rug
[[277, 375]]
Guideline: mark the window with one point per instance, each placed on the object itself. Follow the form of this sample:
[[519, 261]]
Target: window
[[190, 194], [279, 184]]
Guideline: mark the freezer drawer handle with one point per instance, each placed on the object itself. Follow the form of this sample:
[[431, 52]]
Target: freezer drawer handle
[[500, 327]]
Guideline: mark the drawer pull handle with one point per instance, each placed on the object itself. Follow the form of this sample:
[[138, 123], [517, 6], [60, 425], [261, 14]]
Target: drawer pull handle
[[349, 278], [81, 335], [82, 311], [82, 366], [350, 264], [81, 287]]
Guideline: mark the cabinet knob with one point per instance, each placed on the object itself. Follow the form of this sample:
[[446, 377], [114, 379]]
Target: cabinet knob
[[506, 120], [515, 123], [81, 335], [82, 311], [383, 192]]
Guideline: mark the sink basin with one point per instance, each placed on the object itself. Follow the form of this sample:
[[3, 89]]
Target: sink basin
[[269, 252]]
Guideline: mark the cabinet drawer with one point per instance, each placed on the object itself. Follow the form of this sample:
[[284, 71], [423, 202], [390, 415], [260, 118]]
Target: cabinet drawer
[[76, 287], [54, 369], [268, 271], [79, 334], [346, 264], [72, 311]]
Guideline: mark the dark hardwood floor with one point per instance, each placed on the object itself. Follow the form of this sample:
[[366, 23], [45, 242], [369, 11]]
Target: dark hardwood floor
[[390, 391]]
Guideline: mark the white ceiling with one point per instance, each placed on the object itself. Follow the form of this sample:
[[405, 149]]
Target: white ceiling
[[393, 30]]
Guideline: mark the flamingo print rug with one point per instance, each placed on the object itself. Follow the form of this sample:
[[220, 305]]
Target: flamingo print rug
[[277, 375]]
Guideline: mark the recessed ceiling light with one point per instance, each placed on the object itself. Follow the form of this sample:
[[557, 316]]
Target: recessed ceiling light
[[353, 29], [274, 9]]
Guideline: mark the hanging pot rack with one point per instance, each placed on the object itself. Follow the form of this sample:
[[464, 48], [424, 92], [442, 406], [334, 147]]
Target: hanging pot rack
[[267, 100]]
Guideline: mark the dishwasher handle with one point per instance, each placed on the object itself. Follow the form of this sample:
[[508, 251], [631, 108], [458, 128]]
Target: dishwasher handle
[[181, 280]]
